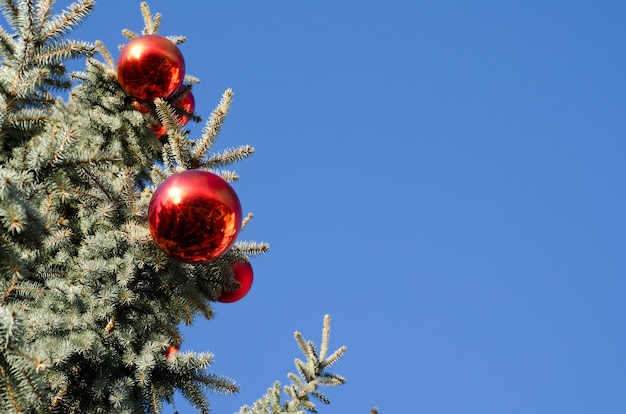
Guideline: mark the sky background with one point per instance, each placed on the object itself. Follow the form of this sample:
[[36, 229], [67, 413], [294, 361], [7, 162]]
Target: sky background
[[446, 179]]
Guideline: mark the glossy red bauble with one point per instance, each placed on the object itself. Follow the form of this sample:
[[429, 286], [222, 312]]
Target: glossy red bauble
[[244, 275], [194, 216], [150, 67], [187, 104], [171, 350]]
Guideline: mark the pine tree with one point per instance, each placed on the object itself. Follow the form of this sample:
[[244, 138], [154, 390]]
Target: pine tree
[[91, 307]]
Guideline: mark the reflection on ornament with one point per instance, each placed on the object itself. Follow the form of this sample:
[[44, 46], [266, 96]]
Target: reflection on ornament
[[194, 216]]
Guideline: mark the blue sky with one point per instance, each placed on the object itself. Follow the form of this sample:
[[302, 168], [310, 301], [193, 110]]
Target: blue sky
[[445, 179]]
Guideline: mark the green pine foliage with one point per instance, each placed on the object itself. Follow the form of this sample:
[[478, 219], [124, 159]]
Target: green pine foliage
[[88, 303], [312, 374]]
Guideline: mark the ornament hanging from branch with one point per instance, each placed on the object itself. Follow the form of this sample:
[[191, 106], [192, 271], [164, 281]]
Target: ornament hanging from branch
[[150, 67], [194, 216], [242, 272]]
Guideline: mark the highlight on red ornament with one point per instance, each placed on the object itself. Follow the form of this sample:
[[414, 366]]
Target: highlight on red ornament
[[150, 67], [194, 216], [186, 104], [244, 275]]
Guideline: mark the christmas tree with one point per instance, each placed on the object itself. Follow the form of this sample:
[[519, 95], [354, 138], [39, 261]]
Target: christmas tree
[[117, 225]]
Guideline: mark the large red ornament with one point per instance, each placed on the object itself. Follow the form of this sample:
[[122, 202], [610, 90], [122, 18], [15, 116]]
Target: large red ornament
[[244, 275], [194, 216], [187, 104], [150, 67]]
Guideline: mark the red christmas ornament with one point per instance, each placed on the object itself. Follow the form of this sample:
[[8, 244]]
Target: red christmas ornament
[[186, 104], [171, 350], [244, 275], [194, 216], [150, 67]]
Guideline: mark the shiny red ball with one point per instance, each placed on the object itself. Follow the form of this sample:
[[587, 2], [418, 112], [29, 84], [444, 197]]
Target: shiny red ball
[[244, 275], [194, 216], [150, 67], [186, 104], [171, 351]]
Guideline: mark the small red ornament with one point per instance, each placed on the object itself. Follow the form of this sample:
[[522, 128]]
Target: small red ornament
[[194, 216], [187, 104], [171, 350], [244, 275], [141, 107], [150, 67]]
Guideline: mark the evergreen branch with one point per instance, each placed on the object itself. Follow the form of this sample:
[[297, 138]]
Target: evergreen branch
[[334, 357], [43, 7], [58, 154], [312, 372], [61, 24], [303, 386], [10, 12], [26, 289], [147, 18], [304, 347], [331, 380], [158, 176], [200, 305], [192, 80], [213, 126], [229, 176], [129, 34], [26, 19], [97, 180], [3, 112], [178, 146], [270, 403], [108, 58], [25, 82], [217, 383], [151, 24], [325, 338], [228, 157], [10, 288], [63, 51], [58, 397], [157, 22], [10, 391], [17, 367], [246, 220], [177, 40], [155, 404], [251, 248], [91, 159], [13, 217], [7, 44], [25, 119]]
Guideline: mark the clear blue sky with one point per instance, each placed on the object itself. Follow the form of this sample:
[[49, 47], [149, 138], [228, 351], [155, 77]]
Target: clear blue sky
[[446, 179]]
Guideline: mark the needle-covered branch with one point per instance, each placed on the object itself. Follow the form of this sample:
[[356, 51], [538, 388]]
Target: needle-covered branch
[[304, 385]]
